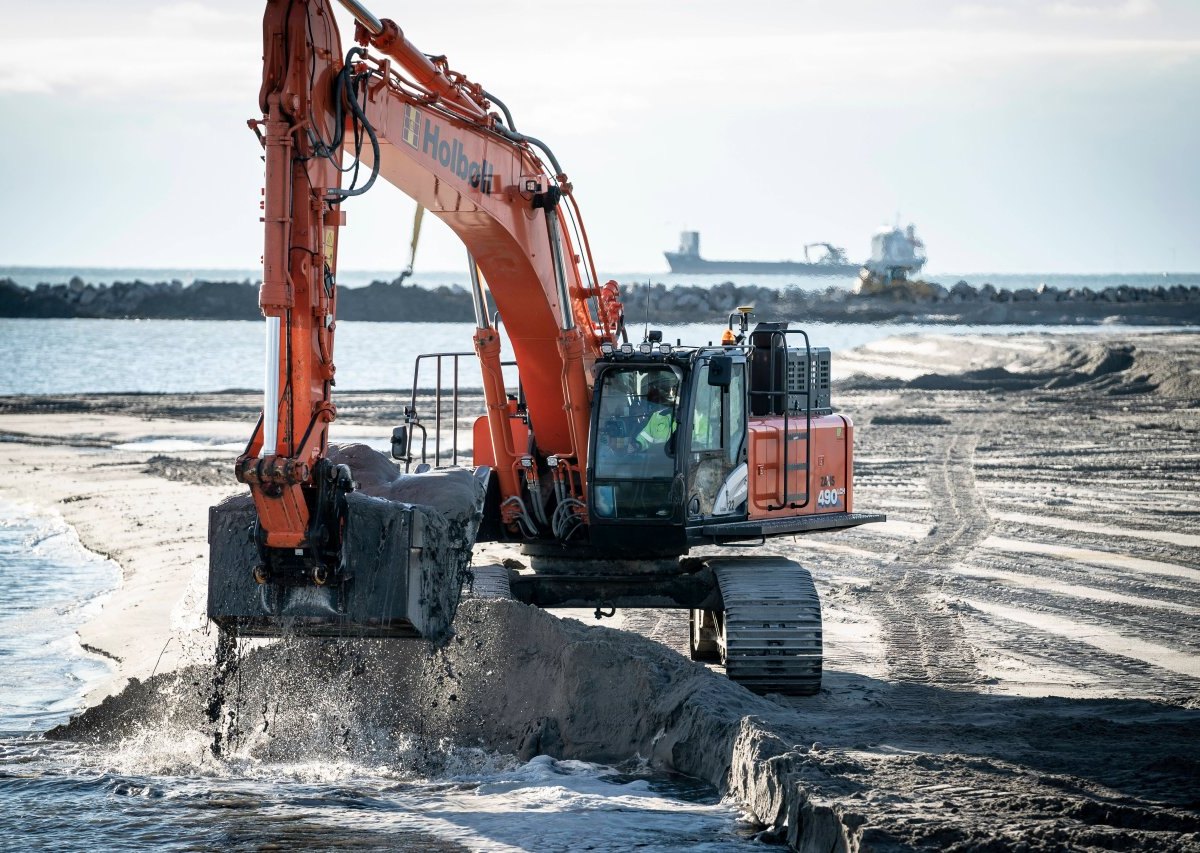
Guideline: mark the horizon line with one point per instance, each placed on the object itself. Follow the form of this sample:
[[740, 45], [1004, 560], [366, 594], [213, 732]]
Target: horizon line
[[20, 268]]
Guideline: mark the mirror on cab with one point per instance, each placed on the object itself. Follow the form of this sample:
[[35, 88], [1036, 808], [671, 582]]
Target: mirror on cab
[[720, 370], [400, 443]]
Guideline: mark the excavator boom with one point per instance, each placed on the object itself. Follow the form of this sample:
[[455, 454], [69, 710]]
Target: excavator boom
[[398, 115]]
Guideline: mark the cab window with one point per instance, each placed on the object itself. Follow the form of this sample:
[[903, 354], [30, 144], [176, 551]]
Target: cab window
[[707, 420], [737, 413]]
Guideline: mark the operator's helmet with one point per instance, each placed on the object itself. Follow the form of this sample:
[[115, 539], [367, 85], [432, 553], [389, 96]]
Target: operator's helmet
[[662, 388]]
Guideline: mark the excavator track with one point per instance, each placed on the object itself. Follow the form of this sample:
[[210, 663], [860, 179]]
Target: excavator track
[[488, 582], [769, 634]]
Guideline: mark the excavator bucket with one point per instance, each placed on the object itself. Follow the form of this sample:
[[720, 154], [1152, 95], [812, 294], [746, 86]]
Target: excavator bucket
[[406, 546]]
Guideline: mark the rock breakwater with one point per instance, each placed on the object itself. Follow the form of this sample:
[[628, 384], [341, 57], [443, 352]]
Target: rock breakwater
[[221, 300], [923, 302]]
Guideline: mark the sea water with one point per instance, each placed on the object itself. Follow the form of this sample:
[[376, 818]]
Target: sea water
[[51, 585], [160, 792], [189, 356]]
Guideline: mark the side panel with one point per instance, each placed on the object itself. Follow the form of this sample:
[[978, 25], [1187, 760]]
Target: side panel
[[818, 472], [482, 438]]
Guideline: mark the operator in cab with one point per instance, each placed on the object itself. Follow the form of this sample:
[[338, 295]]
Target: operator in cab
[[662, 394]]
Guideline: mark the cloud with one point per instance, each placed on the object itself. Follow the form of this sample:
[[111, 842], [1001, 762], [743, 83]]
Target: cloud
[[205, 51], [191, 19], [121, 67], [718, 65], [184, 49], [981, 12], [1123, 11]]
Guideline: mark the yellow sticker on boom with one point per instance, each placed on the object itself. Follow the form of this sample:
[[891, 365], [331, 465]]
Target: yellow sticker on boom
[[330, 243]]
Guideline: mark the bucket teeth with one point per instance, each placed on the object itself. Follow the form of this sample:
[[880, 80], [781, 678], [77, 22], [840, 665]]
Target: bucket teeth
[[401, 568]]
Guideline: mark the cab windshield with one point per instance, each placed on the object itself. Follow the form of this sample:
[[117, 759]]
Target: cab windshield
[[635, 442]]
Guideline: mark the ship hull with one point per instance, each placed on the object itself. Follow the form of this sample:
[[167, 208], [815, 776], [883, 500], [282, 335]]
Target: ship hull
[[680, 263]]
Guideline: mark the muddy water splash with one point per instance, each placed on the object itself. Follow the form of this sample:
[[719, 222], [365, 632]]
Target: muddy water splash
[[224, 672], [402, 744], [511, 677], [316, 744]]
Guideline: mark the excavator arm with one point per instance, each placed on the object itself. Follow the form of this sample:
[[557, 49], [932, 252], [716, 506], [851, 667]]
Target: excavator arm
[[406, 118], [299, 132], [327, 554]]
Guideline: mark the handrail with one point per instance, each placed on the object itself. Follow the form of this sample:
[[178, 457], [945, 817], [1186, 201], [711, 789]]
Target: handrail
[[410, 413], [773, 392]]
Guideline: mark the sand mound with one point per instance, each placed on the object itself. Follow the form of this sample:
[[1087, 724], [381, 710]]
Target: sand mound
[[201, 472], [519, 681], [513, 679], [1159, 365], [454, 492]]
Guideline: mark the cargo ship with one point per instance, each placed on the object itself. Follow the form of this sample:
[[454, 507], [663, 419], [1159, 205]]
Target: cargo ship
[[832, 261]]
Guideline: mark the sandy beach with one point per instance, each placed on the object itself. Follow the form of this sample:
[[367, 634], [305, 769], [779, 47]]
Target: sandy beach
[[1012, 658]]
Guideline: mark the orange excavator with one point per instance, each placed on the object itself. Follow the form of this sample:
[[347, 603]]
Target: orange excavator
[[607, 462]]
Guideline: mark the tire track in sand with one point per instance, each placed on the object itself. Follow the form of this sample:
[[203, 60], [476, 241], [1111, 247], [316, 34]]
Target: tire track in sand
[[925, 639]]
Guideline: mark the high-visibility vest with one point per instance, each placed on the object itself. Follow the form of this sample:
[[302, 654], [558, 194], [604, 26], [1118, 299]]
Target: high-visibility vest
[[657, 430], [662, 423]]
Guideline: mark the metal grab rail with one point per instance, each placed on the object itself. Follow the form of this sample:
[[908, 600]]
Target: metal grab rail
[[772, 393], [412, 417]]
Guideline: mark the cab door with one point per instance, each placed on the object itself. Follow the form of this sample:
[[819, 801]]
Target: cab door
[[715, 438]]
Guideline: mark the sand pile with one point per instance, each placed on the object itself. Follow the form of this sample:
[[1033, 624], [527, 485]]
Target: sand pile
[[456, 493], [1109, 367], [513, 679], [1115, 368], [519, 681]]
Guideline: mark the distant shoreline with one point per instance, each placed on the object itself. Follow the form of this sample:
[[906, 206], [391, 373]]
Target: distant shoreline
[[922, 302], [31, 277]]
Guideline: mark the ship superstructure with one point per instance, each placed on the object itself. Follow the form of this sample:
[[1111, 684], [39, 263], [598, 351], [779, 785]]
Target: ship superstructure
[[895, 254]]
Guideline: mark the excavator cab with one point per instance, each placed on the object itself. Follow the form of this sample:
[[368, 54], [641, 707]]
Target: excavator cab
[[668, 445], [753, 448], [636, 413]]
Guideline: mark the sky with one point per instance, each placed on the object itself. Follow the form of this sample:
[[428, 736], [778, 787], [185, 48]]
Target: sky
[[1018, 136]]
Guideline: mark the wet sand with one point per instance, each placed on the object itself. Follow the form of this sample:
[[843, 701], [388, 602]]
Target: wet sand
[[1012, 659]]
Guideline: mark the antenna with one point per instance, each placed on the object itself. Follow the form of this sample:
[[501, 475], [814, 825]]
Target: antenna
[[646, 329]]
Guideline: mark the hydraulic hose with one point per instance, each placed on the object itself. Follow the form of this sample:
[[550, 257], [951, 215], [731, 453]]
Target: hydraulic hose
[[520, 137], [507, 115], [351, 100]]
